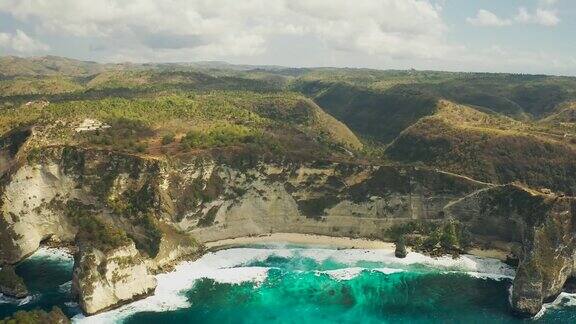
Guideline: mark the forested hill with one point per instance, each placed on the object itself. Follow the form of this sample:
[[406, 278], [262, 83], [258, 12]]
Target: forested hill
[[492, 127]]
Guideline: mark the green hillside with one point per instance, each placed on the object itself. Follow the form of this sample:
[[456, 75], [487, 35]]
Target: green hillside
[[493, 127], [375, 115], [280, 124], [491, 148]]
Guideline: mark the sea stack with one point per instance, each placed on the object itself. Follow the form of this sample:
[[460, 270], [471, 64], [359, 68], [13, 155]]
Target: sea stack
[[400, 251]]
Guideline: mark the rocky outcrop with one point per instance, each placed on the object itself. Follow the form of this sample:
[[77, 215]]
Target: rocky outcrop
[[55, 316], [27, 217], [104, 200], [400, 251], [11, 284], [548, 258], [544, 225], [104, 280]]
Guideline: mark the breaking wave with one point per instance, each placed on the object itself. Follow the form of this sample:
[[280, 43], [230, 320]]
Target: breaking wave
[[240, 265]]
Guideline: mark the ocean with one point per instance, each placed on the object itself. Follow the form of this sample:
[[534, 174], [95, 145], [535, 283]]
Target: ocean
[[282, 283]]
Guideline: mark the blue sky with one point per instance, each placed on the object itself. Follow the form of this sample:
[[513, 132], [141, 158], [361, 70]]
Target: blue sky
[[524, 36]]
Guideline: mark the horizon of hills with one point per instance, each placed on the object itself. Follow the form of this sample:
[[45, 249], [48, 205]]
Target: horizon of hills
[[47, 64]]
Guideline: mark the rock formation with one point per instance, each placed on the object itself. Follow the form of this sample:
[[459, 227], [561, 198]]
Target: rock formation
[[103, 280], [55, 316], [400, 251], [134, 216], [544, 225], [11, 284]]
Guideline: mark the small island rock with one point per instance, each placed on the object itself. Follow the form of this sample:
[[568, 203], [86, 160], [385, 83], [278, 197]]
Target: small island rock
[[400, 251]]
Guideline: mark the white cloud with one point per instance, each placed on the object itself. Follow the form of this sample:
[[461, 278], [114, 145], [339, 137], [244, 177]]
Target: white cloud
[[547, 2], [374, 33], [546, 17], [541, 16], [502, 59], [20, 42], [523, 16], [486, 18], [212, 28]]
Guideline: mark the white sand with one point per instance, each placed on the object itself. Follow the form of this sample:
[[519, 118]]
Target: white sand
[[305, 239], [331, 242], [489, 253]]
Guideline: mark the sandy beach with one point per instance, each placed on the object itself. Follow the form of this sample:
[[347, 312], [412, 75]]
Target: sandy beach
[[305, 239], [489, 253], [330, 241]]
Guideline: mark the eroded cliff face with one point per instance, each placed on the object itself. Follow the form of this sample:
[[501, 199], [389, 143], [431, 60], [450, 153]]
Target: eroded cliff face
[[108, 203], [329, 199], [103, 280], [138, 215], [544, 225], [27, 217]]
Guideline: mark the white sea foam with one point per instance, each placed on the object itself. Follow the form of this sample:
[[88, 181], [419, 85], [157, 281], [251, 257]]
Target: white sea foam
[[563, 300], [466, 263], [18, 302], [233, 266], [65, 287], [351, 273], [343, 274], [493, 276], [25, 300], [388, 270], [52, 254], [8, 300]]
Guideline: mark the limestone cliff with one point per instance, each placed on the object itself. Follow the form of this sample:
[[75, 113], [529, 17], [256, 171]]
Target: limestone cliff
[[133, 216], [103, 280], [328, 199], [545, 227], [104, 202]]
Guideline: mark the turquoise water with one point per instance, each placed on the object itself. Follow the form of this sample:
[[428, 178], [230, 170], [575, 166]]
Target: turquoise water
[[294, 285], [295, 292], [47, 275]]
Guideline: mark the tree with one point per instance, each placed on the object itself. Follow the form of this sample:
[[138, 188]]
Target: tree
[[449, 239], [168, 138], [465, 238]]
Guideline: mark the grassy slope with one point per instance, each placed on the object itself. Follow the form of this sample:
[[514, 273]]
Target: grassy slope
[[375, 115], [523, 97], [490, 148], [282, 122], [513, 127], [33, 85], [11, 66]]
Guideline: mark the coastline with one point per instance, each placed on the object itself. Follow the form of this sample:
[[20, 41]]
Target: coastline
[[314, 240], [228, 261], [309, 240], [221, 265]]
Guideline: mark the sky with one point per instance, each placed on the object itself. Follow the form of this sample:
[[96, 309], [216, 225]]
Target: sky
[[519, 36]]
